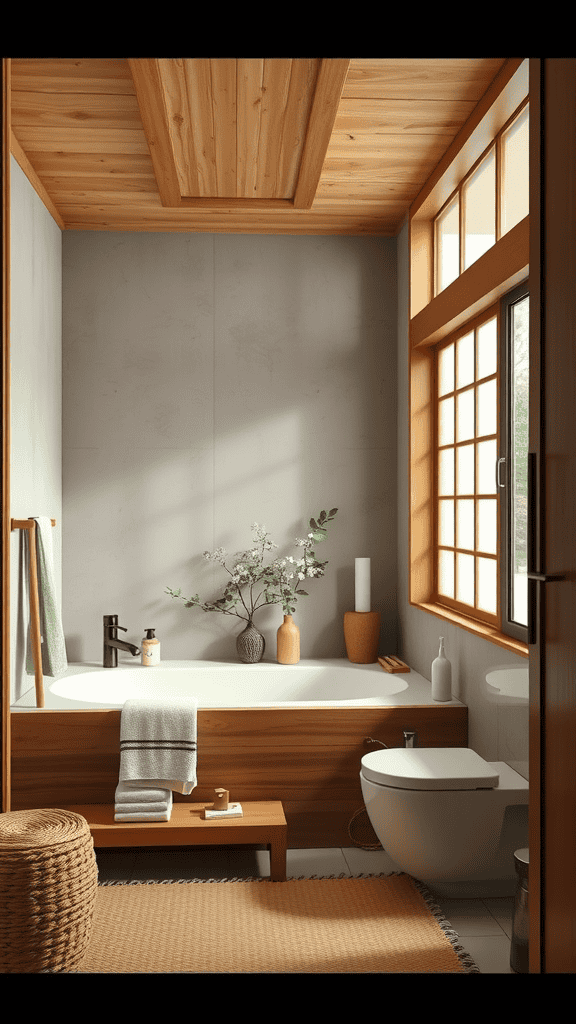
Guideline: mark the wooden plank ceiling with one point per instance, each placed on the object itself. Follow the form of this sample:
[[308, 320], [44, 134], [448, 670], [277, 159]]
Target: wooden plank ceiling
[[243, 145]]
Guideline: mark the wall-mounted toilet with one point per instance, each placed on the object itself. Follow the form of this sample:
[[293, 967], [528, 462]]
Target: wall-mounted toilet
[[447, 817]]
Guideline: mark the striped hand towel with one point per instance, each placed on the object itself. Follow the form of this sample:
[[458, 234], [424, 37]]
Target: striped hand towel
[[158, 745]]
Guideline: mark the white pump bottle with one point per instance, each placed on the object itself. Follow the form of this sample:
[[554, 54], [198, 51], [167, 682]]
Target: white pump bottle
[[441, 676]]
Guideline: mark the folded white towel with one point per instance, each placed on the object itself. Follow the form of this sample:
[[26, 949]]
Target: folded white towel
[[142, 804], [158, 745], [125, 794], [142, 817], [54, 659], [150, 807], [145, 811]]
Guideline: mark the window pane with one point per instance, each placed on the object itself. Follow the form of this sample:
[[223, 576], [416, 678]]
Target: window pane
[[446, 421], [447, 245], [519, 457], [465, 524], [446, 528], [465, 360], [486, 467], [446, 370], [514, 203], [486, 584], [446, 471], [487, 525], [465, 467], [479, 199], [486, 344], [465, 578], [486, 405], [465, 415], [446, 573]]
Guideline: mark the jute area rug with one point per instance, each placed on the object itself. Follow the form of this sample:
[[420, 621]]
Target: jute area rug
[[373, 924]]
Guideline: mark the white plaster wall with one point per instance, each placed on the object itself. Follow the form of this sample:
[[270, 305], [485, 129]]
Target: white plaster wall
[[36, 394], [213, 381], [498, 724]]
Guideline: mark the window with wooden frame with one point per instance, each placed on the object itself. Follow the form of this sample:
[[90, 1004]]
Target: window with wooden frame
[[489, 201], [467, 562], [481, 463], [464, 529]]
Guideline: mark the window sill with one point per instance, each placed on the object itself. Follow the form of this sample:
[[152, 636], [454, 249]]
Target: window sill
[[473, 626]]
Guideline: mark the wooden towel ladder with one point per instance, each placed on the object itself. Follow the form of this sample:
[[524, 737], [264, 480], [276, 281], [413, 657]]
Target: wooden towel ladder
[[30, 525]]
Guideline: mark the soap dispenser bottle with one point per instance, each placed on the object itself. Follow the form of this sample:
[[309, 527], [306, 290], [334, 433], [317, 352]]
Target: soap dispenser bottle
[[150, 649], [441, 676]]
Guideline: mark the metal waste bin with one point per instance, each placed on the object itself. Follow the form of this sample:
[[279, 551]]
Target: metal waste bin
[[519, 946]]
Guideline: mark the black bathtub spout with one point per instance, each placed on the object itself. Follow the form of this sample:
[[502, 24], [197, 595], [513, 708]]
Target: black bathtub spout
[[112, 644]]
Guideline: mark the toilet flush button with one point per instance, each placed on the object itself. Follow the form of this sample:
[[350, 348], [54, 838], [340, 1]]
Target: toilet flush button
[[429, 768]]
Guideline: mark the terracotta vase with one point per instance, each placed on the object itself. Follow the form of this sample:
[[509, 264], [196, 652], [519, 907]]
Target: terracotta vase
[[250, 644], [362, 636], [288, 642]]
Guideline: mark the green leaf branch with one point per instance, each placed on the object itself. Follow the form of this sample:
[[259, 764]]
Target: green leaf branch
[[254, 584]]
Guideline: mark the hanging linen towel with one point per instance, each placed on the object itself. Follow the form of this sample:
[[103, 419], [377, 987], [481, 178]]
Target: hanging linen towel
[[54, 659], [142, 804], [158, 745]]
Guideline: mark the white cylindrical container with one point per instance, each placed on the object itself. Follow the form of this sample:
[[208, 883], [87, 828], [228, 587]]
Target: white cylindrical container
[[441, 675], [362, 581], [150, 649]]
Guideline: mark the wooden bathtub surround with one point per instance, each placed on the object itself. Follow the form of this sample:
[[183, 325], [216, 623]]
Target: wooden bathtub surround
[[309, 758], [263, 824]]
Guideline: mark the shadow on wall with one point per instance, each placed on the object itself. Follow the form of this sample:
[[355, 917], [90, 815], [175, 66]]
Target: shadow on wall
[[211, 382]]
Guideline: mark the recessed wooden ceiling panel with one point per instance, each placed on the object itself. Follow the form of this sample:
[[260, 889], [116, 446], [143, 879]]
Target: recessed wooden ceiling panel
[[251, 145], [237, 127]]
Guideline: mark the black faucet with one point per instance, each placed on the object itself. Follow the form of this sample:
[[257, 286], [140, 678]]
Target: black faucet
[[112, 644]]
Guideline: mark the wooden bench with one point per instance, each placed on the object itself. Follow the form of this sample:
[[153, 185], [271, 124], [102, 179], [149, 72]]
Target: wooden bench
[[263, 823]]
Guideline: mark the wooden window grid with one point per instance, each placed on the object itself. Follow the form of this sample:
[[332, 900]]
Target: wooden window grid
[[459, 193], [467, 440]]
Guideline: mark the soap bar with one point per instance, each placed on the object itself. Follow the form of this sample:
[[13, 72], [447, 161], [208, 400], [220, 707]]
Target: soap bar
[[233, 811]]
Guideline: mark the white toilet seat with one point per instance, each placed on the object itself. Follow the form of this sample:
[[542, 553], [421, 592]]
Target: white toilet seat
[[430, 768]]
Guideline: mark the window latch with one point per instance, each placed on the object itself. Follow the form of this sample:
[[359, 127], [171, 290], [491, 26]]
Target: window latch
[[498, 473], [542, 577]]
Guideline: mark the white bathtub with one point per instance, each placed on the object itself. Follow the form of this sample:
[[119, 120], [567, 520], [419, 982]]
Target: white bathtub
[[233, 685]]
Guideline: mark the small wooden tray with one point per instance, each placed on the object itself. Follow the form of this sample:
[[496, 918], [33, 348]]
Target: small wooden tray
[[393, 664]]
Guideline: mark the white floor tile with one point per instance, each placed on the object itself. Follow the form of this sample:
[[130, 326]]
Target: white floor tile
[[502, 911], [368, 862], [470, 917], [315, 862], [491, 953]]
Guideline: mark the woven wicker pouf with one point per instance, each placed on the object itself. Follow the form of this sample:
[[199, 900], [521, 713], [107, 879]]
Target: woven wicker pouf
[[48, 883]]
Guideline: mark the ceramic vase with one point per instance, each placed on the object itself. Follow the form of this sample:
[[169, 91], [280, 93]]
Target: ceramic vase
[[250, 644], [288, 642], [362, 636]]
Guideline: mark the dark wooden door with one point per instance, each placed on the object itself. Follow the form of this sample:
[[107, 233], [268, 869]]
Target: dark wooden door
[[553, 487]]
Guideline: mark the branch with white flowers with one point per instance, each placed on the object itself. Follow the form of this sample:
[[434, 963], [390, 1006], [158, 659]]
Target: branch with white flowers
[[254, 584]]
